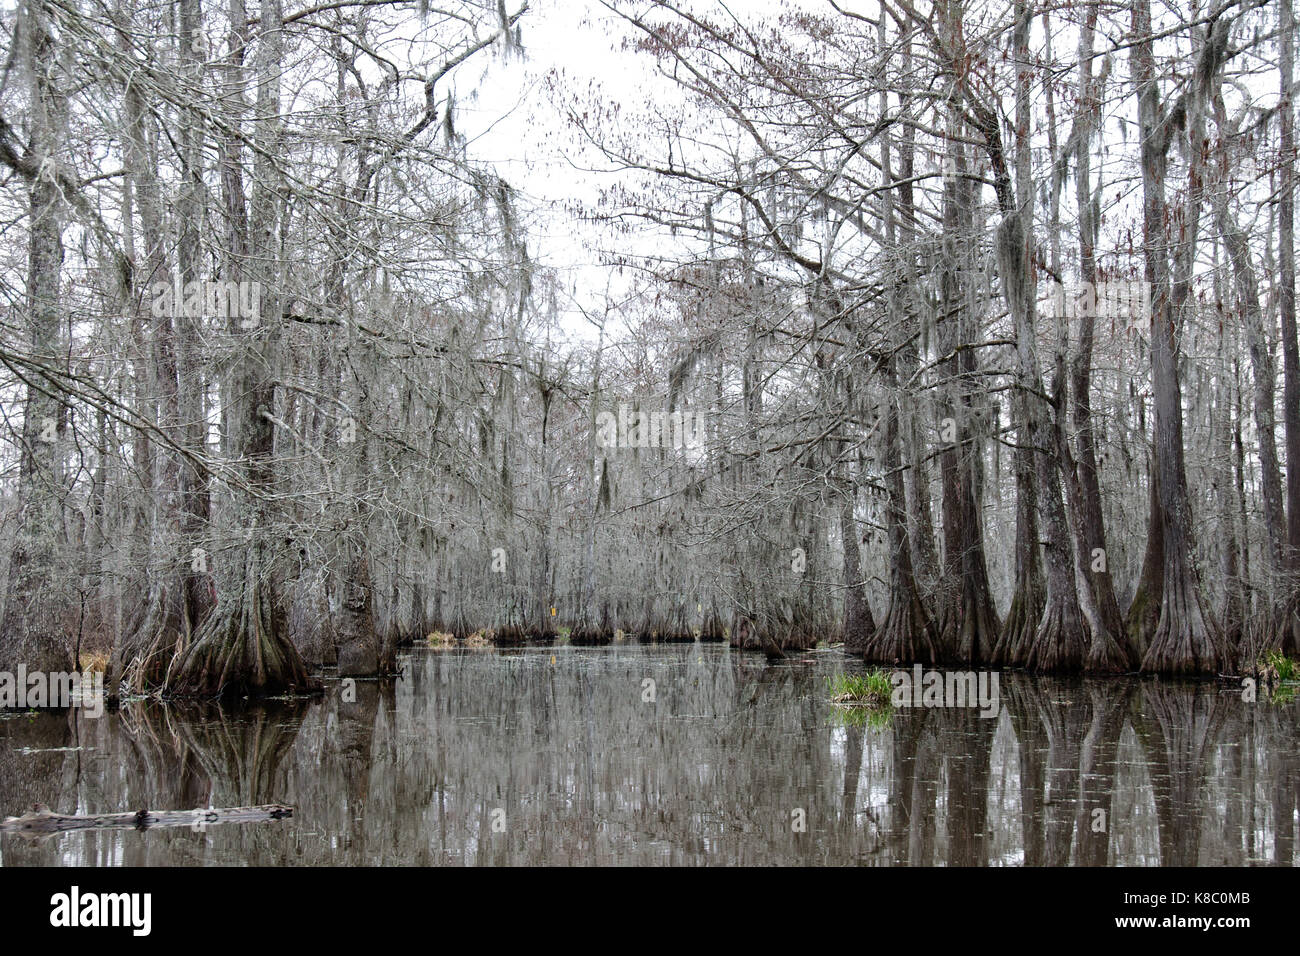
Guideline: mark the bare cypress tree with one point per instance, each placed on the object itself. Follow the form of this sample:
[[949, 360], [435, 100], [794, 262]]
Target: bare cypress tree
[[1061, 638], [907, 633], [1109, 649], [31, 629], [243, 647], [178, 596], [1287, 303], [1185, 640]]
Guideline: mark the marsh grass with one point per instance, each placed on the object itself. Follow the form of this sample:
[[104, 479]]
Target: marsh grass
[[1286, 668], [1281, 674], [94, 661], [870, 690]]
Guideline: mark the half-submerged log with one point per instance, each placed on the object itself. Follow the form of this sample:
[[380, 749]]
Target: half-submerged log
[[41, 820]]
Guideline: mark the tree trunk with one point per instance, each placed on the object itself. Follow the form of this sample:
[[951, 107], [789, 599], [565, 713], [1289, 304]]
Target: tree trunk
[[906, 635], [1286, 298], [1110, 648], [1061, 638], [32, 628], [243, 648], [859, 624], [1185, 640], [968, 624], [178, 595]]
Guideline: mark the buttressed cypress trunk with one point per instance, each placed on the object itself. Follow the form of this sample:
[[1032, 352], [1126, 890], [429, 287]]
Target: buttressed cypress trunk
[[178, 596], [906, 635], [243, 647], [1286, 297], [38, 602], [1185, 640], [970, 628], [1110, 649], [1012, 643], [1061, 637]]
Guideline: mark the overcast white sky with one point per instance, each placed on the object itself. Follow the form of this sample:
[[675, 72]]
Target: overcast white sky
[[511, 121]]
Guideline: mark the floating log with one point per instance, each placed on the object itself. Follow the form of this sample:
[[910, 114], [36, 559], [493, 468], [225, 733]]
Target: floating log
[[41, 820]]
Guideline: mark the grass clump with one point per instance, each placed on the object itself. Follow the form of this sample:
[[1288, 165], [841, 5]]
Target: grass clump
[[872, 689], [1286, 668], [95, 661], [1278, 674]]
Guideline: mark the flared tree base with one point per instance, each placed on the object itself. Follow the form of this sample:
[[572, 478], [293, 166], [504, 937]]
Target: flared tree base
[[1060, 642], [148, 645], [1186, 643], [239, 651], [1107, 656], [1142, 619], [1017, 637], [905, 636], [591, 635], [970, 632]]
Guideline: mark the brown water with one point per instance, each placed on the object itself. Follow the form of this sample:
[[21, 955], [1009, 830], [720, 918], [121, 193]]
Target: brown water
[[493, 757]]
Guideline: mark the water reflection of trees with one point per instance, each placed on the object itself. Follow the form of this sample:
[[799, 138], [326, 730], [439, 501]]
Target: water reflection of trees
[[581, 766], [33, 758], [1179, 730], [158, 757]]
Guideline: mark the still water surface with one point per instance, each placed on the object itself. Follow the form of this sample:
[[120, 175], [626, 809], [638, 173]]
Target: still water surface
[[570, 756]]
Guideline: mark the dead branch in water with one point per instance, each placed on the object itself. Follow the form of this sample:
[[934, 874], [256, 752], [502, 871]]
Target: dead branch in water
[[41, 820]]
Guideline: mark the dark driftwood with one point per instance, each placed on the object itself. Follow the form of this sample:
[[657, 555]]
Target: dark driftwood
[[41, 820]]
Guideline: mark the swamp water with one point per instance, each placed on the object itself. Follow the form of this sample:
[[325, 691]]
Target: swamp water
[[683, 754]]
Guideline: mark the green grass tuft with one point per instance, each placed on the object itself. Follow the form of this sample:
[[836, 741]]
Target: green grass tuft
[[872, 689], [1287, 668]]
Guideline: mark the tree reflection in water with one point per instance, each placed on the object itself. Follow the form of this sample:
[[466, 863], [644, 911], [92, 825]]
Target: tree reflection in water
[[489, 757]]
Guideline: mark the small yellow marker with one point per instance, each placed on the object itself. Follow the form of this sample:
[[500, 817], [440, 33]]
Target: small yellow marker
[[552, 660], [552, 612]]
